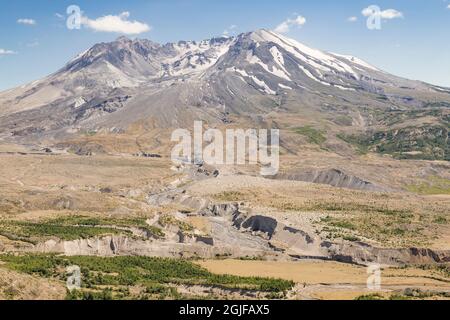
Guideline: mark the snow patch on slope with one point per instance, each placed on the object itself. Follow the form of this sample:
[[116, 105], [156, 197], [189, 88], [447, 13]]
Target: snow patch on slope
[[282, 86], [278, 58], [259, 83], [316, 58], [252, 59], [357, 61], [310, 75], [192, 57]]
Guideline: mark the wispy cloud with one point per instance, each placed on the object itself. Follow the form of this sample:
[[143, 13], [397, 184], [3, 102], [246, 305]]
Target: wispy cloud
[[26, 21], [352, 19], [231, 30], [116, 23], [33, 44], [59, 16], [387, 14], [286, 25], [448, 7], [4, 52]]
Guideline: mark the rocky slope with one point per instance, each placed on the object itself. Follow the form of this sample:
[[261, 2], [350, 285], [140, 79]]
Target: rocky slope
[[207, 229], [113, 85]]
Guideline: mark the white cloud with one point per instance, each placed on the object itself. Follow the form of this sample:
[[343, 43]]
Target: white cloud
[[391, 14], [5, 52], [118, 24], [59, 16], [33, 44], [29, 22], [384, 14], [230, 30], [366, 12], [448, 7], [286, 25], [352, 19]]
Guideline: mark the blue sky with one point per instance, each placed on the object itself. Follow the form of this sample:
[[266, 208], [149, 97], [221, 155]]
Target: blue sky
[[414, 43]]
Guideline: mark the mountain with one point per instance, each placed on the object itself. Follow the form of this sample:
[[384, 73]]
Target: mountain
[[114, 85]]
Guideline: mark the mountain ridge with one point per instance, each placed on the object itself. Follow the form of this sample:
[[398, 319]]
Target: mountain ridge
[[114, 85]]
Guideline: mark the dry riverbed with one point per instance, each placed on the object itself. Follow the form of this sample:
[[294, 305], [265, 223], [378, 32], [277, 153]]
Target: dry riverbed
[[333, 280]]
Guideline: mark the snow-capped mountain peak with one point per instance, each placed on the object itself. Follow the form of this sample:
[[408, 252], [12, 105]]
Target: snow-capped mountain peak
[[129, 79]]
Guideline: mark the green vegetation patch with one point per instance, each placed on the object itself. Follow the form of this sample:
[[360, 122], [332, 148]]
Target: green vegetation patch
[[72, 228], [372, 296], [390, 227], [429, 142], [443, 269], [358, 141], [168, 220], [433, 185], [118, 274], [314, 136], [230, 196], [135, 222], [356, 207], [407, 294], [34, 231], [437, 111]]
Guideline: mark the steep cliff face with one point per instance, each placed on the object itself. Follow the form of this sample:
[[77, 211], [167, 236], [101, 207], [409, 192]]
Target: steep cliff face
[[237, 235]]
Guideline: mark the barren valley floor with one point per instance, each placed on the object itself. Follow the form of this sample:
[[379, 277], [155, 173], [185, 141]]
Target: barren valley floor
[[142, 228]]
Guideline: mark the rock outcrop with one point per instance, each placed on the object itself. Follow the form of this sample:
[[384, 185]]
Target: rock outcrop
[[332, 177], [361, 253]]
